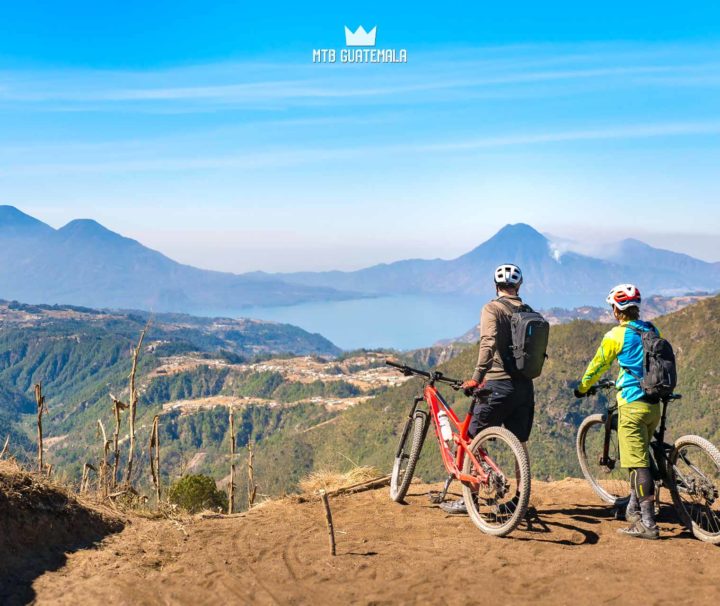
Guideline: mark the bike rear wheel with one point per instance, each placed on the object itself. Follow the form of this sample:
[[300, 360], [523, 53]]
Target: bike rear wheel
[[499, 504], [695, 486], [609, 481], [408, 453]]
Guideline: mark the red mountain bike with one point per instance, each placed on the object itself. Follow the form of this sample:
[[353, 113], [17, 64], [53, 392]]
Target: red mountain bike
[[494, 468]]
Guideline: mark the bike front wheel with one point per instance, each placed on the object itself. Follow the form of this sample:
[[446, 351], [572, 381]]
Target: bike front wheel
[[695, 486], [407, 455], [607, 479], [499, 503]]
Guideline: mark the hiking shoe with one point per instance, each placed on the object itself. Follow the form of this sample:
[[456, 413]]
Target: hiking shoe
[[638, 530], [454, 507], [632, 516]]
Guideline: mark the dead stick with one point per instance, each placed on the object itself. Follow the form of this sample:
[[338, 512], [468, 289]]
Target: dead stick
[[5, 447], [118, 406], [154, 455], [40, 401], [252, 488], [157, 459], [83, 482], [329, 521], [360, 487], [103, 476], [87, 468], [231, 490], [133, 404]]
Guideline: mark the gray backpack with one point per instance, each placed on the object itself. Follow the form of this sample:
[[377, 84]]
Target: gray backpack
[[659, 377], [530, 333]]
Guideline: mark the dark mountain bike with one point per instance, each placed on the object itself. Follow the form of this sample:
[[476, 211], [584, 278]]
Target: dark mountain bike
[[689, 468], [493, 467]]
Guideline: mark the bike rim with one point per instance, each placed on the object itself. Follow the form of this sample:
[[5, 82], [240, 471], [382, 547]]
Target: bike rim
[[611, 480], [399, 468], [402, 460], [496, 500], [697, 481]]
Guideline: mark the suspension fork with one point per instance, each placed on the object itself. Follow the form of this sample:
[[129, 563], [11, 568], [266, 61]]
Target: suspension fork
[[605, 458], [408, 425]]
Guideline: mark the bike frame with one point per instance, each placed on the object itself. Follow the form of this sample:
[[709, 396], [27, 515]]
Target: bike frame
[[454, 463], [659, 449]]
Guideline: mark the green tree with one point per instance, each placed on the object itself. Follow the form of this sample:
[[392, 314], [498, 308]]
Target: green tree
[[197, 492]]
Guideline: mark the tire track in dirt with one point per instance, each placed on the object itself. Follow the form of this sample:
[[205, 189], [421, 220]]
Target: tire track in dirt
[[570, 553]]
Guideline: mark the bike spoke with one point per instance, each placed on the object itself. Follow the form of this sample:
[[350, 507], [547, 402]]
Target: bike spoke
[[496, 497], [697, 480], [610, 478]]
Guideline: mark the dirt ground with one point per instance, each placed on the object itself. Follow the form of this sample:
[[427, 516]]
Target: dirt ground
[[570, 553]]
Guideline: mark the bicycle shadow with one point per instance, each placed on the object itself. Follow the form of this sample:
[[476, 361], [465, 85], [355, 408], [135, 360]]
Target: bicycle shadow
[[450, 495], [535, 524]]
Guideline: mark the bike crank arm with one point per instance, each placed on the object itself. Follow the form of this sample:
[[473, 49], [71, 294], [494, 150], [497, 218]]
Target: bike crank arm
[[438, 497]]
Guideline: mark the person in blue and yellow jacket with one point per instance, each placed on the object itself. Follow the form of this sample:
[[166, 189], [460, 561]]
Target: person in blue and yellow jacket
[[638, 415]]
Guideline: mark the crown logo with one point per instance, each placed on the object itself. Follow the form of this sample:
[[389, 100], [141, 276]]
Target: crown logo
[[360, 37]]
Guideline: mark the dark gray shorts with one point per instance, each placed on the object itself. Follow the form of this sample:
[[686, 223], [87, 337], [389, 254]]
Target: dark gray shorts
[[511, 405]]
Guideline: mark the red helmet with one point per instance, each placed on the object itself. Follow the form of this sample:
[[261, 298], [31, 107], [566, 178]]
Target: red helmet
[[624, 296]]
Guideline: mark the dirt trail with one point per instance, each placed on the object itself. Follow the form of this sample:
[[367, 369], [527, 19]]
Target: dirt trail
[[391, 554]]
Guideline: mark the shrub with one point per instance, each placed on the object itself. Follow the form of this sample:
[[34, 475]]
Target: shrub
[[197, 492]]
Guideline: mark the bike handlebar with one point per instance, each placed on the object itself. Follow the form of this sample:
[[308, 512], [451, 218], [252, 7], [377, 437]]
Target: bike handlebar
[[433, 376], [607, 384]]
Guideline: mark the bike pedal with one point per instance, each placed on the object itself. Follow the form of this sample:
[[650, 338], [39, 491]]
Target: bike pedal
[[436, 497]]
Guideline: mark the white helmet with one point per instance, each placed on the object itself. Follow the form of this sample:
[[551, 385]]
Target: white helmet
[[624, 296], [508, 274]]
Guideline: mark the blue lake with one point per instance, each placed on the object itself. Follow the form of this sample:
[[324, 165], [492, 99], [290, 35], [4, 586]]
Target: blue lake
[[400, 322]]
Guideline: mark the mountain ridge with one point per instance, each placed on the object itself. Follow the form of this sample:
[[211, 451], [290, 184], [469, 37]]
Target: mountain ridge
[[85, 263], [552, 278]]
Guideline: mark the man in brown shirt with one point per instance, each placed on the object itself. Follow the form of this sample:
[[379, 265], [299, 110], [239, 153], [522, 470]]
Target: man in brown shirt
[[512, 401]]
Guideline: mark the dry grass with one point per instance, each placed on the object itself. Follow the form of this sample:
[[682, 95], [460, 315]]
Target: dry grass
[[332, 480]]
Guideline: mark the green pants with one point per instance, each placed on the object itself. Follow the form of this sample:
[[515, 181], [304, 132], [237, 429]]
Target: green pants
[[636, 424]]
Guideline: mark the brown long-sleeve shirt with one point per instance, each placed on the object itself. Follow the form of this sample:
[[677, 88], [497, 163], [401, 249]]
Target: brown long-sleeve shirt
[[495, 337]]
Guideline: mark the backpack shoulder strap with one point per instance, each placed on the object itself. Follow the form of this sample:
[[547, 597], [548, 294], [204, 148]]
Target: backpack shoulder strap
[[639, 332], [635, 329], [506, 304], [511, 308]]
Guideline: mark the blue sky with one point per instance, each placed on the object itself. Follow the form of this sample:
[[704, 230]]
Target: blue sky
[[205, 130]]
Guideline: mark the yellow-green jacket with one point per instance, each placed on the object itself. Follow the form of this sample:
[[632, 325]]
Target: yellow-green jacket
[[624, 344]]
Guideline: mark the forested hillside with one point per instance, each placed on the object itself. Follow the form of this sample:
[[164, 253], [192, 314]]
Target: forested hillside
[[79, 355], [301, 413]]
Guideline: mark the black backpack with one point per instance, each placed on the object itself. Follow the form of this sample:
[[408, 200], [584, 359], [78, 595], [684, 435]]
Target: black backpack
[[659, 370], [530, 333]]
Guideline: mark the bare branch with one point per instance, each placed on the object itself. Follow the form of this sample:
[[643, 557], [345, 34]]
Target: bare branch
[[41, 408], [103, 476], [231, 491], [329, 522], [118, 406], [133, 404], [252, 487], [154, 454]]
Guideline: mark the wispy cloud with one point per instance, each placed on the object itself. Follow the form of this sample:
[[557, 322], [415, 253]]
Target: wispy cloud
[[424, 79], [280, 157], [641, 131]]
